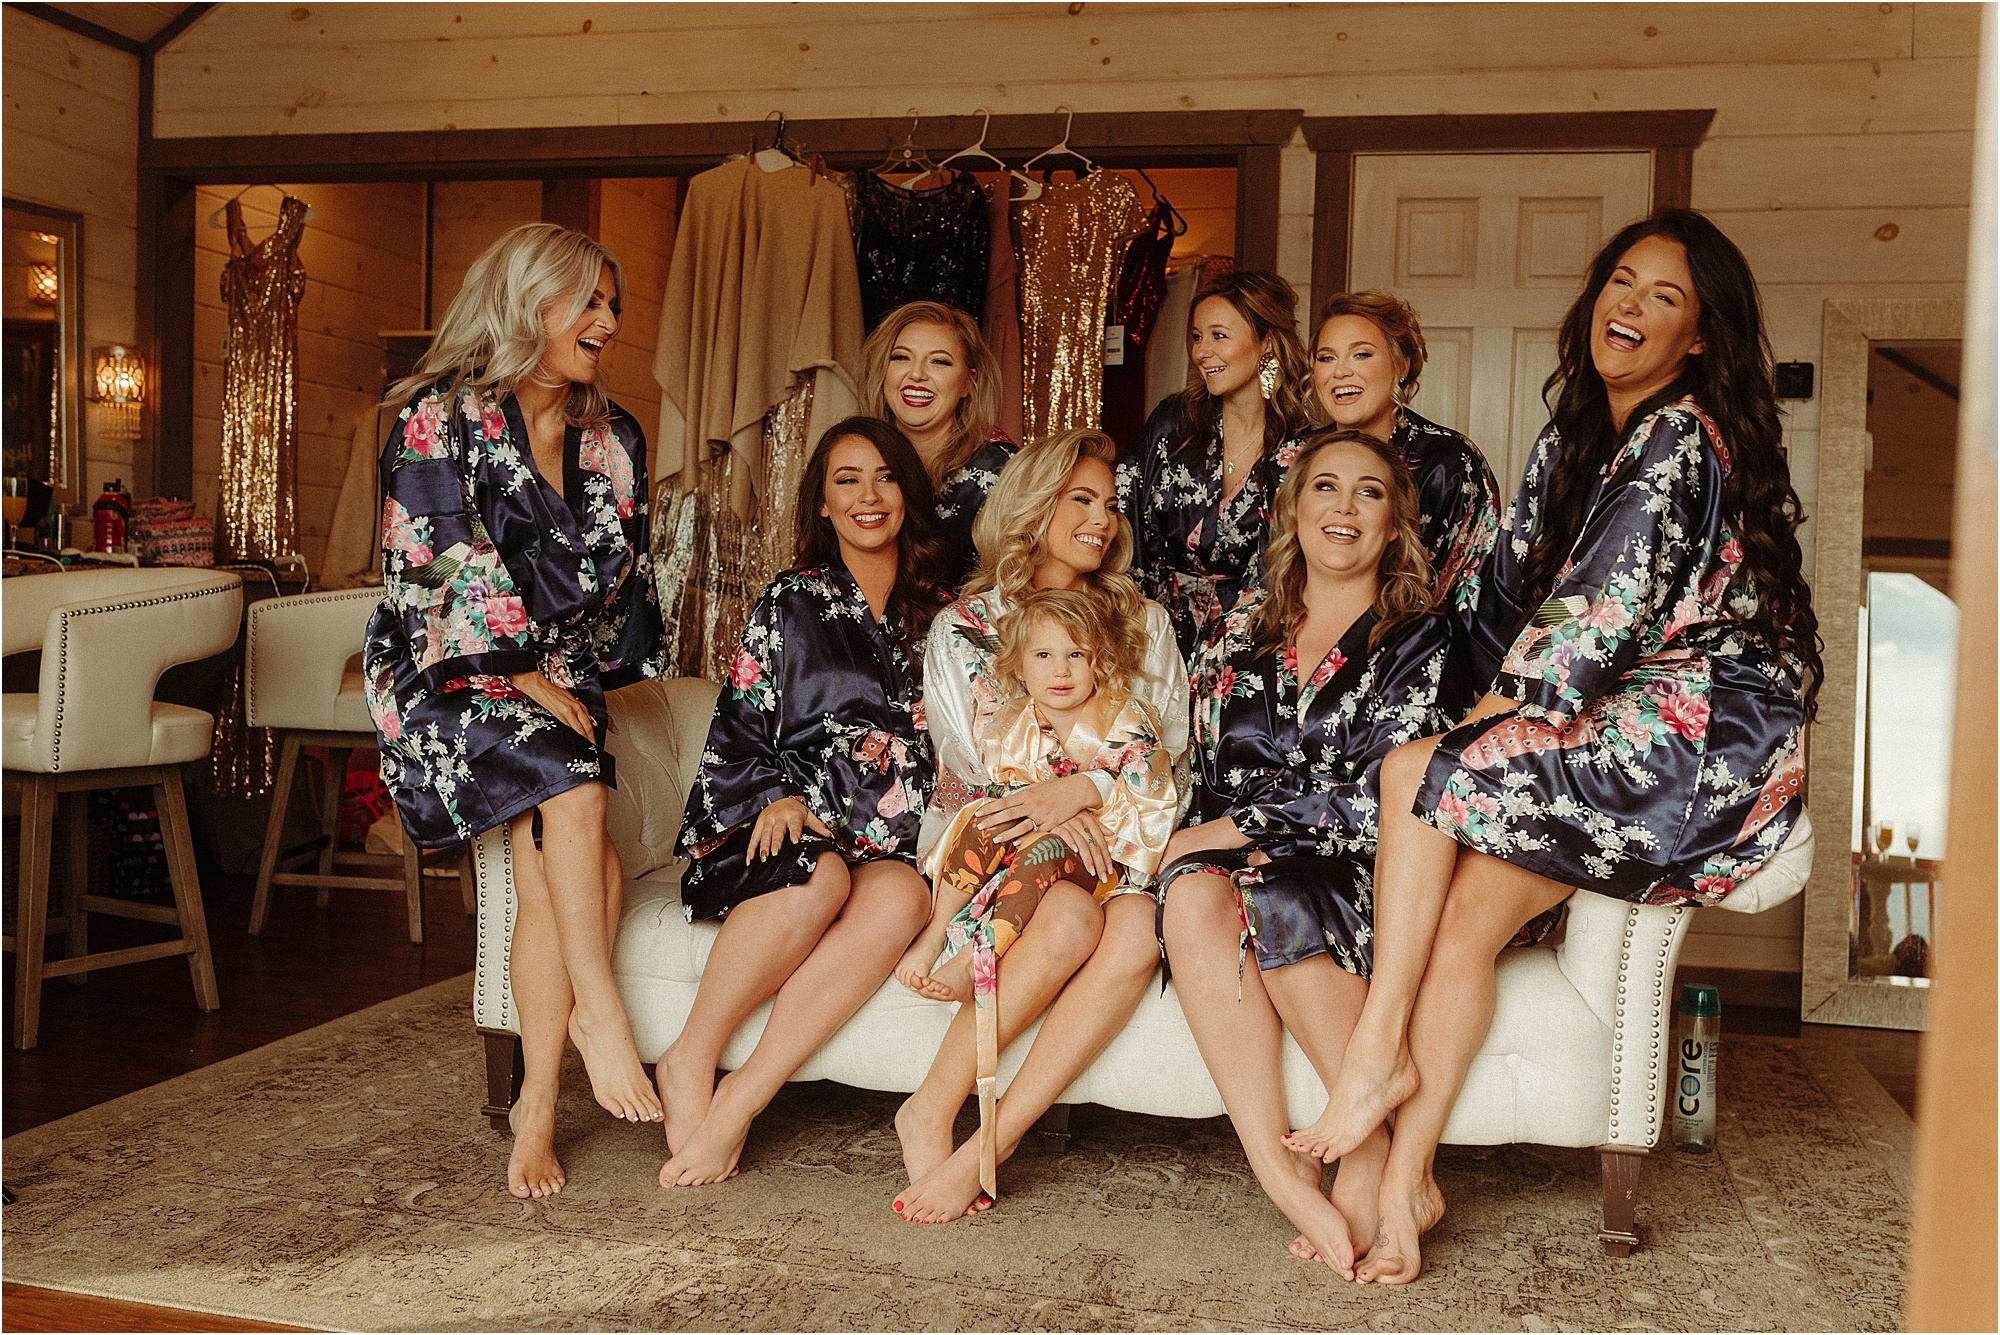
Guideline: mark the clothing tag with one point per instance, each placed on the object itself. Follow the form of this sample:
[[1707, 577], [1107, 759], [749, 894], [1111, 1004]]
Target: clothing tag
[[1114, 345]]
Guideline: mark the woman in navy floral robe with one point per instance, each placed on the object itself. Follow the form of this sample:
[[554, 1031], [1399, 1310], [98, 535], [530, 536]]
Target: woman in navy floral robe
[[929, 372], [1308, 684], [1198, 484], [802, 822], [516, 592], [1367, 358], [1642, 738]]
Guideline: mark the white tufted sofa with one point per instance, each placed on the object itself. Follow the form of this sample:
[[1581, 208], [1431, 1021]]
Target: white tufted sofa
[[1576, 1055]]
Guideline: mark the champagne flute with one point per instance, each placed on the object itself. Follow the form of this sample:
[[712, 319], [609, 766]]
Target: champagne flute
[[14, 504], [1885, 834], [1913, 834]]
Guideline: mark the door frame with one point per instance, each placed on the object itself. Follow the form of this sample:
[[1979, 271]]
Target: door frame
[[1670, 136], [1251, 141]]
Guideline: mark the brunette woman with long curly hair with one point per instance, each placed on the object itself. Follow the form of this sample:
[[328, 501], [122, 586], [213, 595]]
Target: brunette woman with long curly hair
[[802, 822], [1198, 484], [1311, 682], [1657, 661]]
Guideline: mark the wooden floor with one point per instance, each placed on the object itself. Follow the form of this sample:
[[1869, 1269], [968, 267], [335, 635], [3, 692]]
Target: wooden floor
[[132, 1027]]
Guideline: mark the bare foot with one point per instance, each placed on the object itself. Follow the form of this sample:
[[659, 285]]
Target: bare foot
[[1364, 1095], [950, 1191], [1396, 1257], [532, 1169], [1323, 1235], [913, 970], [926, 1137], [710, 1154], [1357, 1186], [617, 1079], [684, 1093], [953, 978]]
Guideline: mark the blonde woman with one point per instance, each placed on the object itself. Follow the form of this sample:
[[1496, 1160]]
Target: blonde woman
[[1367, 358], [1198, 484], [1312, 680], [516, 593], [929, 372], [1052, 522]]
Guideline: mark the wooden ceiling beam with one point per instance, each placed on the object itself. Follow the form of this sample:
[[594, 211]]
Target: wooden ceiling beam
[[62, 18]]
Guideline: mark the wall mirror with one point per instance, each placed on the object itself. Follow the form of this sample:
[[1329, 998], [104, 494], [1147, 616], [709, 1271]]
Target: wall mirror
[[41, 295], [1880, 751]]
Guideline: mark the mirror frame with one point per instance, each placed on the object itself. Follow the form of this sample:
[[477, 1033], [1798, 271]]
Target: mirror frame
[[67, 478], [1828, 993]]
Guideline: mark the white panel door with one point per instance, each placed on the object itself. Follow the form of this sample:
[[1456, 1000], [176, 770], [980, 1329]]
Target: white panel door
[[1490, 248]]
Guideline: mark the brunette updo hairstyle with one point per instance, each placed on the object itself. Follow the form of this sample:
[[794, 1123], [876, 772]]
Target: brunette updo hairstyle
[[920, 553], [1397, 320], [1403, 575], [1271, 308], [1734, 381]]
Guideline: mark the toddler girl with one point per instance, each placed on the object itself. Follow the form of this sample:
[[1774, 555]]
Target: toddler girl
[[1072, 712]]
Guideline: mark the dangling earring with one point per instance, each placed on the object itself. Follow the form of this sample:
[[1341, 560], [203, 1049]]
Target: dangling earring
[[1267, 375]]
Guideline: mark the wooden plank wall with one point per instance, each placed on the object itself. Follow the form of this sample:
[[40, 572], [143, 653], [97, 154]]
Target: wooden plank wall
[[71, 142], [637, 222], [467, 217], [364, 273]]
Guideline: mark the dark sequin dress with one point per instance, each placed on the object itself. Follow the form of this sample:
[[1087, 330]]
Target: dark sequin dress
[[920, 245]]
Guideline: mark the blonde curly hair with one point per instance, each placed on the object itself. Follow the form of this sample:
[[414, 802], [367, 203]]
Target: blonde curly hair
[[1081, 616], [1011, 535]]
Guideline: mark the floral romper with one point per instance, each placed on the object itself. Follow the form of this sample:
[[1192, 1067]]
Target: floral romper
[[488, 571]]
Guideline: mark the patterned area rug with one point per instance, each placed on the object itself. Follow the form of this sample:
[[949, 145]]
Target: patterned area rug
[[342, 1178]]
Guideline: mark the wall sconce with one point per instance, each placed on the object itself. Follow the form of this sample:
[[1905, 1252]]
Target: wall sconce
[[118, 385], [44, 284]]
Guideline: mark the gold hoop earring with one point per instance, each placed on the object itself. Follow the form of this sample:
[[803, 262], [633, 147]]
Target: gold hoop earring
[[1267, 376]]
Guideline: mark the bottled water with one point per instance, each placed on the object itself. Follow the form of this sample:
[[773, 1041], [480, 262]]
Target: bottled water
[[1698, 1036]]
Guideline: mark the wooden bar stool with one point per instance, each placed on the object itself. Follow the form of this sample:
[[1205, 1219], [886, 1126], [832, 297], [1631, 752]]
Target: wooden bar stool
[[295, 678], [105, 638]]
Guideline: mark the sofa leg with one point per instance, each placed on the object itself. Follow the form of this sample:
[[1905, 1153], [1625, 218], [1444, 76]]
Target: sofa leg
[[1054, 1128], [503, 1076], [1619, 1167]]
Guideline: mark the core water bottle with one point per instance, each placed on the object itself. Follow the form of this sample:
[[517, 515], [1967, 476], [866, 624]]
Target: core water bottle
[[1695, 1050]]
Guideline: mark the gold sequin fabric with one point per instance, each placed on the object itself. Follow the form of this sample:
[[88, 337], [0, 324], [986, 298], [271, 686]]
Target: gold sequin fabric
[[262, 285], [713, 565], [1069, 244]]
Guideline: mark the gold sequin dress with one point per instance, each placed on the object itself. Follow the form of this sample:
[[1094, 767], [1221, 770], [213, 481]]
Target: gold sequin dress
[[1069, 244], [261, 288]]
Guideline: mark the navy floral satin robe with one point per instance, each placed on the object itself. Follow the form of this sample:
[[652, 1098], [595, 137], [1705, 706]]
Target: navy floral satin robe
[[488, 570], [1655, 755], [1459, 503], [958, 500], [1297, 765], [822, 705], [1196, 553]]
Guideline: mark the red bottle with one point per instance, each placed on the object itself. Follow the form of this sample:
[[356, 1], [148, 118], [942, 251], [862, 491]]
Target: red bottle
[[108, 517]]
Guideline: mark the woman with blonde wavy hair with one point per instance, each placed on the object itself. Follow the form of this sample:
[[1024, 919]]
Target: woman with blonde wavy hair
[[1198, 483], [515, 594], [1052, 522], [927, 370], [1336, 660]]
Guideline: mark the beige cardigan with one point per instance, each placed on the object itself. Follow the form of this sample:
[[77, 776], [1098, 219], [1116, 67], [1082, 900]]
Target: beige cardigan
[[762, 288]]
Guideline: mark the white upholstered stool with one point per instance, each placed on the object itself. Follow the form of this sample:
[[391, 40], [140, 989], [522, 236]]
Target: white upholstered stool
[[295, 678], [105, 638]]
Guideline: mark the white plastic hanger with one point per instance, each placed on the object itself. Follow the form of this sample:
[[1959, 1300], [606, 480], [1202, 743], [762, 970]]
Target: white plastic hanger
[[779, 155], [1061, 146], [978, 149], [220, 218]]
